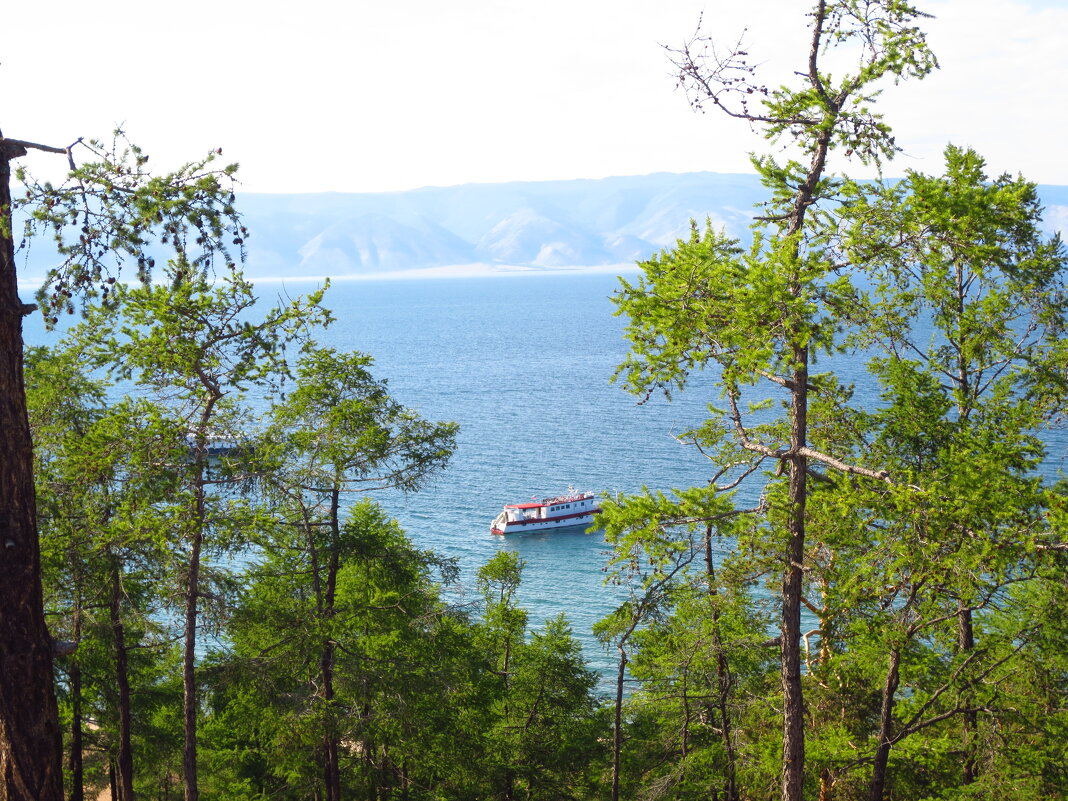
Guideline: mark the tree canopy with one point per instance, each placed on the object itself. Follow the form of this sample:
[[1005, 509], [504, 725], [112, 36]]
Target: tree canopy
[[864, 600]]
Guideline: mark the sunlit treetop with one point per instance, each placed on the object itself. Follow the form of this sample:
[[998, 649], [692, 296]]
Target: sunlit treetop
[[112, 213], [855, 46]]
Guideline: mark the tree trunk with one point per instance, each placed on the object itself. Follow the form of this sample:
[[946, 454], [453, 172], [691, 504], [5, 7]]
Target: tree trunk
[[877, 789], [76, 762], [793, 722], [192, 598], [331, 744], [124, 756], [724, 682], [31, 750], [368, 751], [966, 643], [77, 774], [965, 632], [617, 724], [189, 686], [385, 774], [826, 785]]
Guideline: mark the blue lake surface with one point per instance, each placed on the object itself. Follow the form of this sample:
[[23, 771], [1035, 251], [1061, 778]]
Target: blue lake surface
[[523, 363]]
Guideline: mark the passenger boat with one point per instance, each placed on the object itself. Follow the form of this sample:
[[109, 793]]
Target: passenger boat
[[571, 510]]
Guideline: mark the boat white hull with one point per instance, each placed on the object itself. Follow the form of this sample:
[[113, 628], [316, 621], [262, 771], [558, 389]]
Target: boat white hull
[[584, 520]]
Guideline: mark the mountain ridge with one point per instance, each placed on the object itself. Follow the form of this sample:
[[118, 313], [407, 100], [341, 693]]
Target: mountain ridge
[[528, 226]]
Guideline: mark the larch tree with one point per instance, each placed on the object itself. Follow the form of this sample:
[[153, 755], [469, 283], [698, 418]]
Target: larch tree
[[321, 692], [199, 346], [97, 484], [338, 432], [759, 317], [30, 751], [966, 313], [543, 731], [697, 640], [110, 211]]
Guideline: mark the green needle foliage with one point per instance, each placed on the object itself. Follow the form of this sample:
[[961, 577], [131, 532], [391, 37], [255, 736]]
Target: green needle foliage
[[891, 537], [543, 733], [390, 663], [864, 600], [105, 501], [198, 347], [112, 211]]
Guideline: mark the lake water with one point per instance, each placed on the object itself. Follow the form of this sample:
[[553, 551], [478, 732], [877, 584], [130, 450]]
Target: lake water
[[523, 363]]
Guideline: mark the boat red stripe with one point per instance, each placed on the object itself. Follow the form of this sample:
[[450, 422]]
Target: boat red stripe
[[553, 519]]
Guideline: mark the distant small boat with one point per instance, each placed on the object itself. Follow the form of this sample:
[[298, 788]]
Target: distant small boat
[[572, 510], [216, 445]]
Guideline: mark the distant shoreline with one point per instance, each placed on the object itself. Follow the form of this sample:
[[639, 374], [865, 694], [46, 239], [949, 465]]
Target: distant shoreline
[[426, 273], [458, 271]]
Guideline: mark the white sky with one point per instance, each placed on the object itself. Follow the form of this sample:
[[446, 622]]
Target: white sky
[[373, 95]]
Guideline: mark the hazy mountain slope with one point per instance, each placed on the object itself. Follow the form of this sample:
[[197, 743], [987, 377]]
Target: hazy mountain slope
[[377, 243], [523, 224], [529, 225]]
